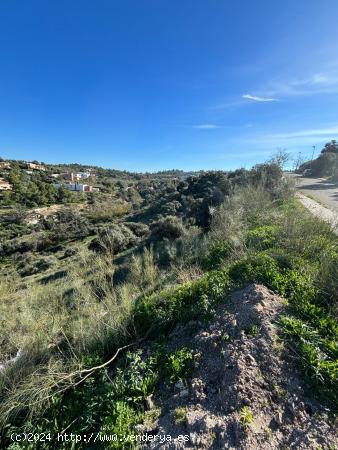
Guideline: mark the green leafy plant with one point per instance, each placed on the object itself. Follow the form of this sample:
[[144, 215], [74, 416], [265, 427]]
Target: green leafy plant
[[180, 415], [262, 237], [246, 416], [253, 330], [179, 364]]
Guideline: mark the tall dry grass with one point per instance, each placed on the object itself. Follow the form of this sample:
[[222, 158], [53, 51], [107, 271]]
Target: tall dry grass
[[58, 325]]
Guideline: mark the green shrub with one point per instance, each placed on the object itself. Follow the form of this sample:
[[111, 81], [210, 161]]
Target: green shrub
[[121, 421], [136, 379], [38, 266], [161, 311], [138, 228], [262, 237], [218, 253], [114, 239], [84, 407], [170, 227], [318, 351], [295, 284], [179, 365], [111, 404], [180, 415], [258, 268]]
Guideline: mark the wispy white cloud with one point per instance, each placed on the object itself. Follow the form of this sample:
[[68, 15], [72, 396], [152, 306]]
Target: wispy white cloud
[[259, 99], [290, 139], [314, 132], [317, 83], [206, 126]]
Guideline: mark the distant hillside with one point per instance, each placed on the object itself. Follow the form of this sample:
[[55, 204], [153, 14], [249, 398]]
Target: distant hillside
[[101, 171]]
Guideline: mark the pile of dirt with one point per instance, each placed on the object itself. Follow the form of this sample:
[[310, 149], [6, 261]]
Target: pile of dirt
[[241, 369]]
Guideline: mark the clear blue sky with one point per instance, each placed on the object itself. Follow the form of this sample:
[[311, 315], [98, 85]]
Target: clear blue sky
[[154, 84]]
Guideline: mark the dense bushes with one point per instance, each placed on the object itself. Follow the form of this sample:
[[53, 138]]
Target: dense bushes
[[262, 237], [105, 212], [29, 190], [170, 227], [68, 224], [36, 242], [114, 239], [32, 266], [163, 310], [138, 228]]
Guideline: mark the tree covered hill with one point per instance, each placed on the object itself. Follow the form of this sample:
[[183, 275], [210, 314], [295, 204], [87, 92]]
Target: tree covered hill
[[326, 165]]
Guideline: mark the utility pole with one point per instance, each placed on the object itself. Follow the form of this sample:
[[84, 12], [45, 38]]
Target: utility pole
[[313, 152]]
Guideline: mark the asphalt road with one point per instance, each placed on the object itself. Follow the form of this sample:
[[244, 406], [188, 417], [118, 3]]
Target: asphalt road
[[319, 189]]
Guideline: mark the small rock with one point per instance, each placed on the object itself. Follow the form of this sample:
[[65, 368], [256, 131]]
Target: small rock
[[195, 439], [204, 335], [250, 359], [150, 402], [179, 385], [278, 418], [246, 401], [184, 393]]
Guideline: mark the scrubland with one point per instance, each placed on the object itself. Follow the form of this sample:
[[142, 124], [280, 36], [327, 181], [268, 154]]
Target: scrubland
[[93, 351]]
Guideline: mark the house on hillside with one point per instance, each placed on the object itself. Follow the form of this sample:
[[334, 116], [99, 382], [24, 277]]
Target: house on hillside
[[5, 185], [76, 176], [76, 187], [5, 165], [33, 166]]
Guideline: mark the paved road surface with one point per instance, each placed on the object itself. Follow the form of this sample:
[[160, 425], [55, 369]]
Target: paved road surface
[[320, 197], [320, 189]]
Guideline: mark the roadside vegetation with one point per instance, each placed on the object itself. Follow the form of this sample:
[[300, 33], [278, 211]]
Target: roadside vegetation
[[93, 339]]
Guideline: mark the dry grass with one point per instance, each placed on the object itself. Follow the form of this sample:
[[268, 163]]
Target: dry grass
[[57, 325]]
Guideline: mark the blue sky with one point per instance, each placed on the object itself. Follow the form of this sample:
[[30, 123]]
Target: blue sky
[[153, 84]]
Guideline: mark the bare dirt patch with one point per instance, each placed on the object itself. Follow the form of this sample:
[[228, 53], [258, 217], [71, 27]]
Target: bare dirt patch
[[36, 214], [246, 392]]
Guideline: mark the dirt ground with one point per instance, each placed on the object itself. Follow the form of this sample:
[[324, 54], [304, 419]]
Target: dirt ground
[[36, 214], [242, 368]]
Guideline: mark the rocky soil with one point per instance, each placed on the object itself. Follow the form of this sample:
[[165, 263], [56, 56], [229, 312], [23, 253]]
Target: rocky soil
[[242, 367], [320, 211]]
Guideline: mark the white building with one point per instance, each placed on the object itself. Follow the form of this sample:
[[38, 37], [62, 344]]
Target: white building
[[80, 176], [75, 187]]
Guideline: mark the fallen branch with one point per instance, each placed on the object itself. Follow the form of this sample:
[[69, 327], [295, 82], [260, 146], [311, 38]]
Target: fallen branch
[[78, 373]]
